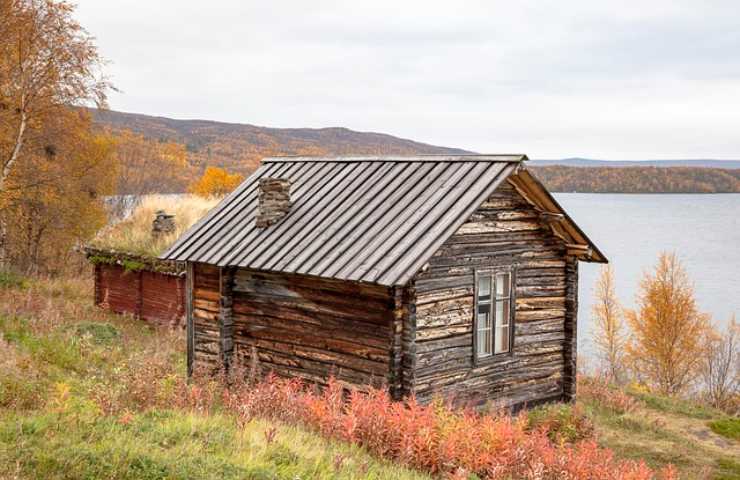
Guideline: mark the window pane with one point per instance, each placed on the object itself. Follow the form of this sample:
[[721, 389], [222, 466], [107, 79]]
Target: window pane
[[502, 313], [484, 289], [502, 340], [482, 345], [502, 284], [484, 316], [485, 342]]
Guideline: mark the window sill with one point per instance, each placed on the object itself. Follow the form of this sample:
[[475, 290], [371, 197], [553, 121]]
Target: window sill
[[497, 357]]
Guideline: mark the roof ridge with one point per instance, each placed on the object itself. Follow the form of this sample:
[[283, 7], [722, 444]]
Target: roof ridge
[[516, 157]]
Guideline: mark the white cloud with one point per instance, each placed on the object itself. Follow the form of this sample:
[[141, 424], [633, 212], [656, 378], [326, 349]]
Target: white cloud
[[631, 79]]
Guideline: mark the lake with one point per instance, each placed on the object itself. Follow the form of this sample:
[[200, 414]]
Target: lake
[[631, 230]]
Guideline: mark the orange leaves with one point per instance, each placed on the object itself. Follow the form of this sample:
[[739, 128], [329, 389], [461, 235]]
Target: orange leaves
[[669, 334], [216, 182], [148, 166], [435, 438]]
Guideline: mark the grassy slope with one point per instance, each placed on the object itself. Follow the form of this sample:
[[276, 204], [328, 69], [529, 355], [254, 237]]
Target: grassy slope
[[59, 353], [663, 430]]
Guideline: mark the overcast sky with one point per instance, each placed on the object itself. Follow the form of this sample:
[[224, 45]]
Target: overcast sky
[[614, 80]]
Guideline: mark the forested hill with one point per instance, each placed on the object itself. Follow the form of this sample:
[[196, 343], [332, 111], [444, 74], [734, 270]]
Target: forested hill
[[639, 179], [240, 147], [588, 162]]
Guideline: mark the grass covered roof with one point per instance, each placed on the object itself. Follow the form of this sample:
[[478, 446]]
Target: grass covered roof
[[133, 234]]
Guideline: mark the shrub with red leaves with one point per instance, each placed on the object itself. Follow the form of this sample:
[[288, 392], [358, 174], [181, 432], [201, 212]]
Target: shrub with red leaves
[[600, 392], [435, 438]]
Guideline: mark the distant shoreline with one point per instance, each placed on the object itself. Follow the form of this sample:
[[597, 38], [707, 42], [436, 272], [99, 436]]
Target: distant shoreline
[[637, 179]]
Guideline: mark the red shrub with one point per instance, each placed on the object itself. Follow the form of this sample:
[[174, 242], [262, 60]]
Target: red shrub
[[435, 438], [599, 391]]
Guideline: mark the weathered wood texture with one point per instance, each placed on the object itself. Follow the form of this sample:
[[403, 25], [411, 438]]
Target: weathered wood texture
[[313, 328], [206, 308], [571, 330], [155, 297], [506, 230]]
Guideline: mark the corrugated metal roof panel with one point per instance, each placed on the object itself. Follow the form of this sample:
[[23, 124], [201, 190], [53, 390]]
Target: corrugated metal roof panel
[[366, 219]]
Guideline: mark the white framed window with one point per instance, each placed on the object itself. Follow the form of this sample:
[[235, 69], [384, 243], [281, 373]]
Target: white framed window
[[494, 313]]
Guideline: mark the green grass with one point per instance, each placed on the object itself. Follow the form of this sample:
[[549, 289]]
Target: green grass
[[727, 469], [170, 444], [9, 279], [664, 430], [58, 353], [675, 405], [727, 427]]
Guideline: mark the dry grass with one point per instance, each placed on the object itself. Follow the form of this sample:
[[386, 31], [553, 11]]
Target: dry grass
[[133, 235], [87, 394], [641, 425]]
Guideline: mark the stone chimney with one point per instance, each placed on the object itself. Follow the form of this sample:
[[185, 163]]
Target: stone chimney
[[163, 224], [274, 201]]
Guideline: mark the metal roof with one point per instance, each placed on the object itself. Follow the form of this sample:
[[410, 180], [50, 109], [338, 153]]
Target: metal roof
[[367, 219]]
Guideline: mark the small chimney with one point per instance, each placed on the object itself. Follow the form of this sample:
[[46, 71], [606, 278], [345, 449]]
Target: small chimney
[[163, 224], [274, 201]]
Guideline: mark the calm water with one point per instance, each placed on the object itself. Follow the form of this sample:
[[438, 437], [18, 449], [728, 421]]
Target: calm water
[[631, 230]]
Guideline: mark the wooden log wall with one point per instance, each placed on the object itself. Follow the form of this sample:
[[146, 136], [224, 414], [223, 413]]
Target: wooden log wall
[[301, 326], [204, 325], [571, 330], [155, 297], [506, 230]]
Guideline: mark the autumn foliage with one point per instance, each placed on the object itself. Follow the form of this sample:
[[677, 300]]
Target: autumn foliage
[[558, 178], [609, 336], [669, 334], [216, 182], [435, 438], [147, 166]]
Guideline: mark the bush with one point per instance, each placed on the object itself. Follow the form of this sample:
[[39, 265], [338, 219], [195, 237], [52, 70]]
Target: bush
[[727, 427], [600, 393], [98, 332], [9, 279], [561, 423], [437, 438]]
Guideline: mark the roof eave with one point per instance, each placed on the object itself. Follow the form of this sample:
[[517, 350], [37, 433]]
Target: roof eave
[[592, 253]]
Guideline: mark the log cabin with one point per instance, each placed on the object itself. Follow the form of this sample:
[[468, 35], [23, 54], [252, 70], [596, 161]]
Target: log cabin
[[128, 277], [436, 275]]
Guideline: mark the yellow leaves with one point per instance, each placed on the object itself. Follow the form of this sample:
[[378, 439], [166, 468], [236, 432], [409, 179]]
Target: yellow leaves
[[216, 182], [609, 334], [148, 166], [669, 333], [54, 196], [61, 397]]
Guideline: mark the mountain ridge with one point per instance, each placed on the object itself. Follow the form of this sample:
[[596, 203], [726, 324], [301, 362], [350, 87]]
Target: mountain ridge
[[590, 162], [241, 146]]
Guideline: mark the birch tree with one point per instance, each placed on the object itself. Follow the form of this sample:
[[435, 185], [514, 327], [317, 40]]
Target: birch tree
[[669, 335], [48, 62], [609, 335]]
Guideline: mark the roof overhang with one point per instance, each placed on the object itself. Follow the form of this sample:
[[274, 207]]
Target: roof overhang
[[577, 242]]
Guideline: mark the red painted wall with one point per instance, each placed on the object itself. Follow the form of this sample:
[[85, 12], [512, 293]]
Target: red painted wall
[[155, 297]]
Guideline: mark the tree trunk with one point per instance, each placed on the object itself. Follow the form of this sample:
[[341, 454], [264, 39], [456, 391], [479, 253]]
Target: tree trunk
[[10, 162], [7, 168]]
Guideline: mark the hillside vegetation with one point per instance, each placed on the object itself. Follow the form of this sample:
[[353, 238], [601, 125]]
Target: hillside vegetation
[[86, 394], [240, 147], [639, 179]]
